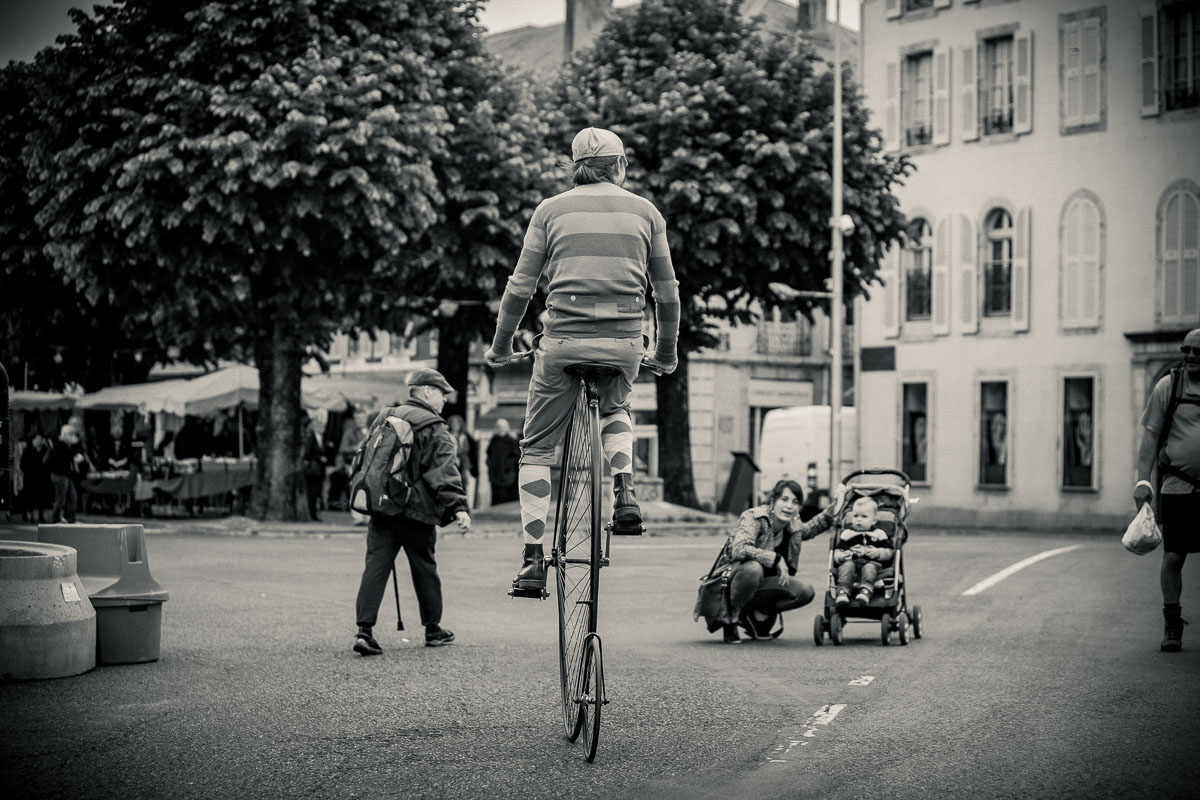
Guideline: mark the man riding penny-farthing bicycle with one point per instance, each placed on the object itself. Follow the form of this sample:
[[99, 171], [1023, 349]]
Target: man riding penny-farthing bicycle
[[602, 250]]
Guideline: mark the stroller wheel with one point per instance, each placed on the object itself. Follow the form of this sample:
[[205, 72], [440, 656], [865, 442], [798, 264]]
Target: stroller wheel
[[902, 627], [819, 630], [917, 622], [885, 629], [835, 629]]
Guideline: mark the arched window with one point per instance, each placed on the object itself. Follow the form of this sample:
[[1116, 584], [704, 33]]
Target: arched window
[[1081, 259], [1179, 254], [997, 264], [918, 268]]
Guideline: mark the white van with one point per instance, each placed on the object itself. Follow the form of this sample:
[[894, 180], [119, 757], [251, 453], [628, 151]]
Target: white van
[[794, 437]]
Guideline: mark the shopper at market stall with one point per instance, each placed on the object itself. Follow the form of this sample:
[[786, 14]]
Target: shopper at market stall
[[68, 465]]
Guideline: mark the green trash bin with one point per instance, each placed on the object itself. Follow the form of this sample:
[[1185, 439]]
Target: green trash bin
[[115, 572]]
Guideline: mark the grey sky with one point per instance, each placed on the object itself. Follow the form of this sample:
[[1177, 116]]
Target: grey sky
[[27, 26]]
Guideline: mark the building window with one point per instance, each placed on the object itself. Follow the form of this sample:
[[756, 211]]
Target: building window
[[917, 94], [917, 5], [396, 345], [996, 86], [1180, 57], [1078, 433], [915, 432], [997, 264], [918, 271], [1081, 254], [1179, 254], [993, 433], [1082, 67]]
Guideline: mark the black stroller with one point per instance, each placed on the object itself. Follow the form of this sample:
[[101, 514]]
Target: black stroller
[[889, 598]]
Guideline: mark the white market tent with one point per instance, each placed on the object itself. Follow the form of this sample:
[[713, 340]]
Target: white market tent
[[24, 400]]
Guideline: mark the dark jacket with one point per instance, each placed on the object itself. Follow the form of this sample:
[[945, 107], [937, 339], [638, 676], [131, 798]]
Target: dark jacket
[[503, 455], [62, 459], [756, 540], [433, 466]]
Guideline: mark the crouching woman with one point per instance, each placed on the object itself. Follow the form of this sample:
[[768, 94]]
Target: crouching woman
[[765, 552]]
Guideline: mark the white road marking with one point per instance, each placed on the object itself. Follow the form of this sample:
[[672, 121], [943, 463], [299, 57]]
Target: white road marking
[[862, 680], [991, 581], [822, 716]]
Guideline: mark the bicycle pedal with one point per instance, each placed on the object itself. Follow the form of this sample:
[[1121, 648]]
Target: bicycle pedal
[[532, 594], [626, 529]]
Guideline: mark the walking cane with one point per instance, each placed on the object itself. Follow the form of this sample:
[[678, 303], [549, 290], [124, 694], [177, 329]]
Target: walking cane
[[396, 589]]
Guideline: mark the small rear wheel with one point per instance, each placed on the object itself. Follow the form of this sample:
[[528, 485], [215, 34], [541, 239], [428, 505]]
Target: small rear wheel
[[918, 622], [885, 629], [902, 627], [835, 628], [591, 697], [819, 630]]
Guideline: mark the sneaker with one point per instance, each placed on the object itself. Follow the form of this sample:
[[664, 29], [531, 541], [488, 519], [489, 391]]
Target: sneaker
[[365, 644], [843, 598], [731, 635], [864, 597], [1172, 631], [438, 637]]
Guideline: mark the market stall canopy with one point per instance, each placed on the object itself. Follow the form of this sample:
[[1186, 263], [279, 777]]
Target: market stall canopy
[[23, 400], [238, 385]]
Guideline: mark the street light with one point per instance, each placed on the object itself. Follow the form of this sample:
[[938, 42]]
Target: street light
[[840, 225]]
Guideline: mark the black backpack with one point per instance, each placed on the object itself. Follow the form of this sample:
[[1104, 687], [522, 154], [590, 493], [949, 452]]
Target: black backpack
[[380, 483]]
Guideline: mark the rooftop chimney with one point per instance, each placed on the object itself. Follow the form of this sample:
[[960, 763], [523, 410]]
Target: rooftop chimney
[[585, 18]]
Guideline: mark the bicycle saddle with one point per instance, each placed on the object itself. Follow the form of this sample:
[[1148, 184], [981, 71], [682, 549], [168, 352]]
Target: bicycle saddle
[[590, 369]]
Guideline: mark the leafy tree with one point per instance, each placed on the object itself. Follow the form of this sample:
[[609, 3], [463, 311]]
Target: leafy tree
[[249, 176], [729, 132]]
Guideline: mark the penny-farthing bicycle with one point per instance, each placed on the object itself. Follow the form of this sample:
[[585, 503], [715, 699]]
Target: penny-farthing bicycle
[[581, 547]]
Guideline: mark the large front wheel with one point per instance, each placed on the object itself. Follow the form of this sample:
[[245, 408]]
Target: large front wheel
[[577, 558]]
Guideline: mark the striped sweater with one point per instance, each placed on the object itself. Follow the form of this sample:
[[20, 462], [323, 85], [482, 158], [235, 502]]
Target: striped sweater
[[600, 248]]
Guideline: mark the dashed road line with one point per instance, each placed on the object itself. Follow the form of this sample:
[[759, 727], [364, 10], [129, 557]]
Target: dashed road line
[[822, 716], [861, 680], [991, 581]]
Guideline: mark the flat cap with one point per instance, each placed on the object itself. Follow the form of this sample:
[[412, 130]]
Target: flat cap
[[424, 376], [1192, 339], [594, 142]]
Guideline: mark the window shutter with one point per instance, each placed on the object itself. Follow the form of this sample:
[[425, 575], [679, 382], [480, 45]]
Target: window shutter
[[964, 257], [941, 96], [1020, 272], [1091, 249], [1071, 277], [891, 131], [940, 289], [1170, 259], [1090, 103], [891, 292], [893, 9], [1149, 60], [1023, 82], [1072, 74], [969, 93]]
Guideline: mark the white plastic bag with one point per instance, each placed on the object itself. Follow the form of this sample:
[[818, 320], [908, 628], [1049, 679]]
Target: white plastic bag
[[1142, 536]]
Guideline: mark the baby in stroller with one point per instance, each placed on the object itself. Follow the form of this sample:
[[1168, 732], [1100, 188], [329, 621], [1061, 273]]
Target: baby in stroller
[[861, 552]]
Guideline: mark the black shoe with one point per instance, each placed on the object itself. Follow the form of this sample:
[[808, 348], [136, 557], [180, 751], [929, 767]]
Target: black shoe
[[627, 514], [438, 637], [1172, 630], [731, 634], [365, 644], [532, 575]]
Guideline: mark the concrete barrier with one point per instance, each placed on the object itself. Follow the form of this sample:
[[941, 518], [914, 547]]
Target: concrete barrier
[[47, 625], [115, 570]]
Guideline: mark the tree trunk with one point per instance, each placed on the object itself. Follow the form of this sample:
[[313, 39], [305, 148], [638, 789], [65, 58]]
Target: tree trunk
[[675, 436], [278, 479], [454, 360]]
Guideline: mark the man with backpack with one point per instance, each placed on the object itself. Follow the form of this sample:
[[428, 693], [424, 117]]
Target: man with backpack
[[424, 490], [1171, 449]]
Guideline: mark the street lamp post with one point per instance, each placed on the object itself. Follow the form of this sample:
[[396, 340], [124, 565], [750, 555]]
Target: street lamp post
[[836, 257]]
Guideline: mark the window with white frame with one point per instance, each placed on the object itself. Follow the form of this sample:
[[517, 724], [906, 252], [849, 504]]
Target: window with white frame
[[997, 264], [917, 97], [1082, 67], [918, 271], [352, 345], [1081, 254], [917, 5], [894, 9], [1179, 254], [1170, 56], [996, 86], [914, 458], [1079, 415], [993, 433], [396, 345]]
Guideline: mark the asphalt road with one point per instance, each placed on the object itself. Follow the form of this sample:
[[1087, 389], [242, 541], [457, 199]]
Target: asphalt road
[[1047, 684]]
